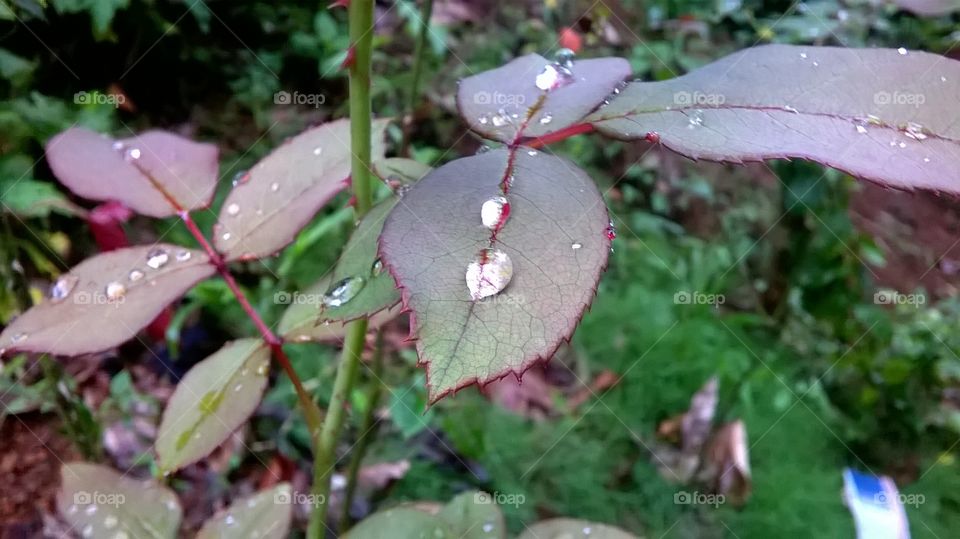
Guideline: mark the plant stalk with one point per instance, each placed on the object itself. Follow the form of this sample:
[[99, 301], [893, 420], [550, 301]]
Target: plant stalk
[[361, 40]]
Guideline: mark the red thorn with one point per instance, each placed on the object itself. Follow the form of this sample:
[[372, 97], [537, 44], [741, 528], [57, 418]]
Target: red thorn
[[653, 137], [339, 3], [349, 59]]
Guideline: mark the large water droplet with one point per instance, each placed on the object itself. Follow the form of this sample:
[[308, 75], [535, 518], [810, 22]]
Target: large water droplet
[[902, 51], [157, 258], [553, 76], [115, 291], [489, 273], [494, 212], [564, 58], [62, 288], [343, 291]]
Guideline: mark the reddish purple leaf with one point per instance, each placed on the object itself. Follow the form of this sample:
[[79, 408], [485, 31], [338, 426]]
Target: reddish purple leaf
[[106, 225], [282, 192], [889, 116], [434, 243], [536, 95], [929, 8], [156, 173], [106, 300]]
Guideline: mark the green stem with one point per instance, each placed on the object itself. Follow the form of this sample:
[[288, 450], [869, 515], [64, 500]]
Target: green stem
[[426, 11], [367, 431], [361, 40]]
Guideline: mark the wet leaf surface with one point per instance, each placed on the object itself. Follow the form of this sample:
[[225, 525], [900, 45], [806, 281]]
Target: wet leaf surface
[[265, 515], [144, 172], [280, 194], [100, 502], [497, 103], [574, 529], [886, 115], [121, 291], [555, 238], [473, 515], [401, 522], [211, 401], [400, 171]]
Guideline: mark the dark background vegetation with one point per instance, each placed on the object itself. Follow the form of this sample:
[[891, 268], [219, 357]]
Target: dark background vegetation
[[822, 375]]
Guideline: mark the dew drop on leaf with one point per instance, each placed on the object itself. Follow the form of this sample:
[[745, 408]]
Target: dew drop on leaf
[[564, 58], [611, 231], [861, 129], [576, 246], [377, 268], [494, 212], [18, 338], [132, 154], [157, 258], [87, 530], [183, 255], [109, 521], [135, 275], [489, 273], [547, 118], [62, 288], [233, 209], [226, 236], [274, 187], [118, 146], [343, 291], [902, 51], [318, 150], [115, 291], [240, 178], [553, 76]]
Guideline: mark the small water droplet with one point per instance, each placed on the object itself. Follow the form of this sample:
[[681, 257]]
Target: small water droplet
[[226, 236], [377, 268], [240, 178], [816, 64], [72, 510], [902, 51], [135, 275], [18, 338], [861, 129], [494, 212], [943, 79], [611, 231], [229, 520], [500, 120], [914, 131], [489, 273], [274, 187], [343, 291], [91, 509], [547, 118], [233, 209], [926, 159], [87, 530], [263, 368], [803, 55], [318, 150], [109, 521], [157, 258], [237, 387], [788, 108], [902, 144], [487, 527], [183, 255], [587, 530], [483, 119], [115, 291], [118, 146], [576, 246], [531, 153], [133, 154], [62, 288]]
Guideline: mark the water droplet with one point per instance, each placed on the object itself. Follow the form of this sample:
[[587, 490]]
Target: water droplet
[[233, 209], [133, 154], [343, 291], [902, 144], [318, 150], [72, 510], [157, 258], [483, 120], [237, 387], [547, 118], [171, 505], [943, 79], [816, 64], [263, 368], [926, 159], [183, 255], [135, 275], [109, 521], [118, 146], [531, 153], [494, 212], [565, 57], [576, 246], [487, 527], [553, 76], [18, 338], [874, 120], [902, 51], [500, 121], [611, 231], [861, 129], [62, 287], [226, 236], [587, 530], [229, 520], [91, 509], [240, 178], [914, 131], [788, 108], [87, 530], [489, 273], [803, 55], [115, 291], [274, 187], [377, 268]]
